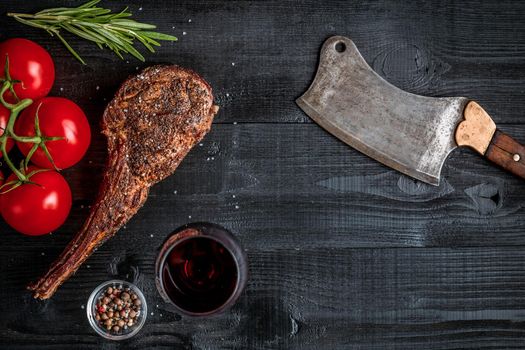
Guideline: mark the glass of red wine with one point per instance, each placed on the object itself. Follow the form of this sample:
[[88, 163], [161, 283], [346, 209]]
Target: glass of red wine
[[201, 269]]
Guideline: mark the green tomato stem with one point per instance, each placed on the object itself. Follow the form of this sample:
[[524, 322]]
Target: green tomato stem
[[5, 87], [12, 119], [9, 130], [3, 147]]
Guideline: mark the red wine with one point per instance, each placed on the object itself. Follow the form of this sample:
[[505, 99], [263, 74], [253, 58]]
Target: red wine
[[199, 274]]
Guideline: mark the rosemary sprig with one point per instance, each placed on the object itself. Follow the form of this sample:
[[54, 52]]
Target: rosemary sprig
[[113, 30]]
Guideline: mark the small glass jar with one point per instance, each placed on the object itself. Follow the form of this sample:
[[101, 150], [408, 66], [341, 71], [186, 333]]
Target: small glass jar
[[92, 311]]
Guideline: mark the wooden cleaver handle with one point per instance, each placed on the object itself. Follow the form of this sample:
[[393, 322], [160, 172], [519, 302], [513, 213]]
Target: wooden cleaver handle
[[478, 131], [507, 153]]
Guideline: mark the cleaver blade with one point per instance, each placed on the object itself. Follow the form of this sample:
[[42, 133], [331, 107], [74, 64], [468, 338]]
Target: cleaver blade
[[410, 133]]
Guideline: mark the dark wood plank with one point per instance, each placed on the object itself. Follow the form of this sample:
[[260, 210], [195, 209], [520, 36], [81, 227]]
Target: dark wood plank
[[334, 298], [442, 48], [297, 185], [298, 224], [344, 253]]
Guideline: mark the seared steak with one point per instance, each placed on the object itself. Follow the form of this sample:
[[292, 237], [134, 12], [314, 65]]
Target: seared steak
[[154, 120]]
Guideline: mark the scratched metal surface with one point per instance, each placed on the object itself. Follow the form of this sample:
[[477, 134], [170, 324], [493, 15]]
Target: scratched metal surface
[[410, 133], [344, 253]]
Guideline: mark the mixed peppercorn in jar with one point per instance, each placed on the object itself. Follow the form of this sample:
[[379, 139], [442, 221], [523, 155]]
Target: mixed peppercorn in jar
[[116, 310]]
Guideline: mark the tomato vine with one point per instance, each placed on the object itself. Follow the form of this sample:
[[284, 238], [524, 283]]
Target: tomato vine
[[38, 140]]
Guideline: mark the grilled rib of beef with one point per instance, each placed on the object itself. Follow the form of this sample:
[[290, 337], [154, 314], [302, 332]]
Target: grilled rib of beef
[[154, 120]]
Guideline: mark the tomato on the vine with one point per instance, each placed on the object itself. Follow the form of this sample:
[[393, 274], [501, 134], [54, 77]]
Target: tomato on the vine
[[31, 64], [37, 209], [4, 117], [58, 117]]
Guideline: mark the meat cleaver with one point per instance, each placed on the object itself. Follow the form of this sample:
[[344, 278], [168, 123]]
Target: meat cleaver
[[410, 133]]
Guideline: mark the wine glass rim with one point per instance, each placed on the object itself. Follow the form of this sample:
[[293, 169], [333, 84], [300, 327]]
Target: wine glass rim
[[238, 256]]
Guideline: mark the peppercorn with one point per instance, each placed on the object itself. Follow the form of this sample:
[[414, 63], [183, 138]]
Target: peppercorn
[[117, 309], [101, 308]]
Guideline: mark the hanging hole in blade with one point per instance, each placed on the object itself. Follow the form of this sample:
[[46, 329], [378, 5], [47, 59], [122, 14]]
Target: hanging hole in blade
[[340, 47]]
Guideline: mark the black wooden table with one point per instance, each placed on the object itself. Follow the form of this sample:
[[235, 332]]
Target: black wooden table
[[344, 253]]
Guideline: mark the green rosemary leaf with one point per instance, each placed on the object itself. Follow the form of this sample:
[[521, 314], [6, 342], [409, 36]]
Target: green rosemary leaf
[[81, 13], [83, 34], [33, 23], [100, 39], [159, 36], [151, 41], [130, 49], [114, 16], [48, 11], [117, 52], [129, 23], [146, 44], [110, 38], [115, 31], [89, 4], [73, 52], [93, 13]]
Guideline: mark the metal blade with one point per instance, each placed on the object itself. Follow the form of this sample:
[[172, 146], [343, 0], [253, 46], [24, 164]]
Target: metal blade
[[410, 133]]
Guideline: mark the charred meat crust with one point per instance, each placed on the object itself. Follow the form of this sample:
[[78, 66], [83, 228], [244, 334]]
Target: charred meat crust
[[153, 121]]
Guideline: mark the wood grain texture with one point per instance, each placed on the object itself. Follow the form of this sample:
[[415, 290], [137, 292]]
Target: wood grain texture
[[290, 182], [435, 48], [304, 298], [344, 253]]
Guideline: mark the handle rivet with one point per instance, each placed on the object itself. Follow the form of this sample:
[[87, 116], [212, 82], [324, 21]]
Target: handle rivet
[[516, 157]]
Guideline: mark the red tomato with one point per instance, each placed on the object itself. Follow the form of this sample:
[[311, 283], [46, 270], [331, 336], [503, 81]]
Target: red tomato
[[57, 117], [4, 117], [29, 63], [1, 178], [37, 209]]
